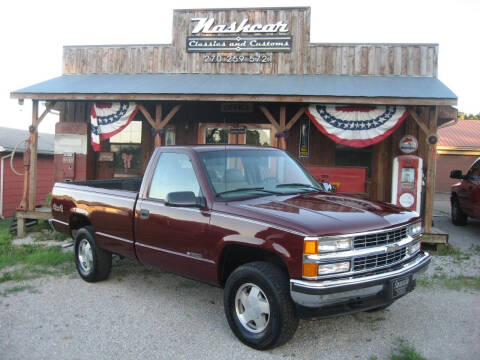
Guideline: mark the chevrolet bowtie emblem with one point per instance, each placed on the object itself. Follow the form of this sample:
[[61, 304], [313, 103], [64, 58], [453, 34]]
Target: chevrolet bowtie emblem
[[392, 248]]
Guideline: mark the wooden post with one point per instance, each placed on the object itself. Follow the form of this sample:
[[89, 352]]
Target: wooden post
[[32, 195], [282, 126], [26, 171], [158, 121], [430, 182]]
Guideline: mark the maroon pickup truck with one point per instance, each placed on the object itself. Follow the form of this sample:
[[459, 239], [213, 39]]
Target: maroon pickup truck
[[251, 220], [465, 198]]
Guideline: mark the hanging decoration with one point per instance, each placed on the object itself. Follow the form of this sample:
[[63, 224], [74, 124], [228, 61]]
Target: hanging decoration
[[355, 125], [109, 118]]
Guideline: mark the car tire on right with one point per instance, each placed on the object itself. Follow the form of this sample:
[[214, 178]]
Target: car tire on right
[[258, 305]]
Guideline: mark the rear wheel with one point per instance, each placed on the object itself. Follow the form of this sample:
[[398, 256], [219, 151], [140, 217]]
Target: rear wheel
[[458, 217], [258, 305], [93, 263]]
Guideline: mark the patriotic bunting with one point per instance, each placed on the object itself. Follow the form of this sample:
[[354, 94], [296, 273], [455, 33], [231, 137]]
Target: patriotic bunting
[[108, 119], [355, 125]]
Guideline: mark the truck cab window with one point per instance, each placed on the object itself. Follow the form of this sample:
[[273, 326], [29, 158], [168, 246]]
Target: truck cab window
[[174, 172]]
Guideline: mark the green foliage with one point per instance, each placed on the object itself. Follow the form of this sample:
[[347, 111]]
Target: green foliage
[[465, 116], [458, 283], [41, 225], [48, 200], [449, 250], [404, 351], [17, 289], [29, 261]]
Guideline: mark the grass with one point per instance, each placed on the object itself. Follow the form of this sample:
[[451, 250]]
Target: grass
[[24, 262], [457, 255], [460, 282], [404, 351], [476, 249], [17, 289]]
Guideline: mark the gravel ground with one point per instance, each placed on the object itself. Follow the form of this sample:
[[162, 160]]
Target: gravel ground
[[145, 313]]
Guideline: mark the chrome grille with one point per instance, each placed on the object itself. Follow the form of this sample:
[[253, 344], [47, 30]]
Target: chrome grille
[[381, 238], [379, 260]]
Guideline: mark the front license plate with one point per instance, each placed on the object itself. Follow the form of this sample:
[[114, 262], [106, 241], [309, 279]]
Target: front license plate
[[400, 286]]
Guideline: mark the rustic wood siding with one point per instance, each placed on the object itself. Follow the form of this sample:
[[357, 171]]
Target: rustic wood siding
[[305, 58]]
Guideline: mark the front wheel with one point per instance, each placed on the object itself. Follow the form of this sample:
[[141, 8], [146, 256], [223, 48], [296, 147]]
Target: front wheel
[[458, 217], [258, 305], [93, 263]]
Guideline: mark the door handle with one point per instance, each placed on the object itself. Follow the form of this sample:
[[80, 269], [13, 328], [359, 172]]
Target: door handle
[[144, 214]]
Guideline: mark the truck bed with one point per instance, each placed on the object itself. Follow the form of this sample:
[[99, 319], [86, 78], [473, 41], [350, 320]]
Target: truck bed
[[129, 184]]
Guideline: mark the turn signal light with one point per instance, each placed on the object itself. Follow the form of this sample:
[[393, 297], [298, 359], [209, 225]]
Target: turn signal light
[[310, 247], [310, 270]]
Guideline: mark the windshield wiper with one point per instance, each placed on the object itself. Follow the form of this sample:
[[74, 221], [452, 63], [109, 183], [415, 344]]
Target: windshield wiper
[[299, 185], [247, 189]]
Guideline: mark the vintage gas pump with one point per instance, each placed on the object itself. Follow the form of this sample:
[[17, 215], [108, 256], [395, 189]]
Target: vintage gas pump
[[407, 182]]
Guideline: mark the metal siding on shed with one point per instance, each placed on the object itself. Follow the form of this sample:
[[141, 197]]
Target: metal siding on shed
[[231, 84], [13, 184], [9, 138]]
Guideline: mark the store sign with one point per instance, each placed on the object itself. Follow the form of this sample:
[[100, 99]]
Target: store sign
[[237, 131], [206, 26], [278, 41], [236, 107], [408, 144], [106, 156]]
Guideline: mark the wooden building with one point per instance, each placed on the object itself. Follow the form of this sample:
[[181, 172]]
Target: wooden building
[[245, 76]]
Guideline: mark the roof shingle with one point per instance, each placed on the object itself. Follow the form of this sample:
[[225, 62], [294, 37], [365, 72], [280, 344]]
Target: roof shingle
[[465, 133]]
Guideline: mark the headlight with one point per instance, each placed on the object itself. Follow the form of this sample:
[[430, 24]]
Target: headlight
[[415, 229], [339, 267], [313, 245], [412, 249], [325, 246]]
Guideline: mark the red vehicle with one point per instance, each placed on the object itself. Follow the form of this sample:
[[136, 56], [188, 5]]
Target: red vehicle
[[251, 220], [465, 198]]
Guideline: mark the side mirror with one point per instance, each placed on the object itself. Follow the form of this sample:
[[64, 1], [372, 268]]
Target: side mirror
[[184, 198], [456, 174]]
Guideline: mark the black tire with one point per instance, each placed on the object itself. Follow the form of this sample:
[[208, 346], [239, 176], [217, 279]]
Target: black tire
[[282, 321], [458, 217], [98, 266]]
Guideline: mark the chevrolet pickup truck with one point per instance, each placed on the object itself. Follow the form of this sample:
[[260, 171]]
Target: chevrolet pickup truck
[[253, 221], [465, 197]]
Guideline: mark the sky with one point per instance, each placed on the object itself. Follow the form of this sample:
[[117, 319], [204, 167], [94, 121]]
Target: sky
[[33, 33]]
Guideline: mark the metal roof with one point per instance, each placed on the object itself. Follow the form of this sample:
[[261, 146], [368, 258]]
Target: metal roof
[[258, 87], [9, 138], [465, 133]]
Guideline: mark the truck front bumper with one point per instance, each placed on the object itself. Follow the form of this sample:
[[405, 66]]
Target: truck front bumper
[[383, 288]]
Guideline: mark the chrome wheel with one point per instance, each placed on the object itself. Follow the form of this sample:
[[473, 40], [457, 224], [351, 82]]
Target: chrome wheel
[[85, 256], [252, 308]]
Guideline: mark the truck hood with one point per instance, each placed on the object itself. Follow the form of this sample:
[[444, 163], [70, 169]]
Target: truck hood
[[320, 214]]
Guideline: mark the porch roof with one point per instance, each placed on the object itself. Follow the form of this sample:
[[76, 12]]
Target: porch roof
[[236, 87]]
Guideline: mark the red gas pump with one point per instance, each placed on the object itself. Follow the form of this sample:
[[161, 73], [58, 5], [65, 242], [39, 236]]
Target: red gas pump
[[407, 182]]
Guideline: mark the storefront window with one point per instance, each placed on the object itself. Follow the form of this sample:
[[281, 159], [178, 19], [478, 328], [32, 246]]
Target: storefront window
[[258, 137], [127, 149], [216, 135], [354, 157]]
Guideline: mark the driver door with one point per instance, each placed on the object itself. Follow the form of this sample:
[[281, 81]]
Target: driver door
[[173, 237]]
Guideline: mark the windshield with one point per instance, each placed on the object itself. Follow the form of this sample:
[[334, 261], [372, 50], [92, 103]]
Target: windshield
[[236, 174]]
